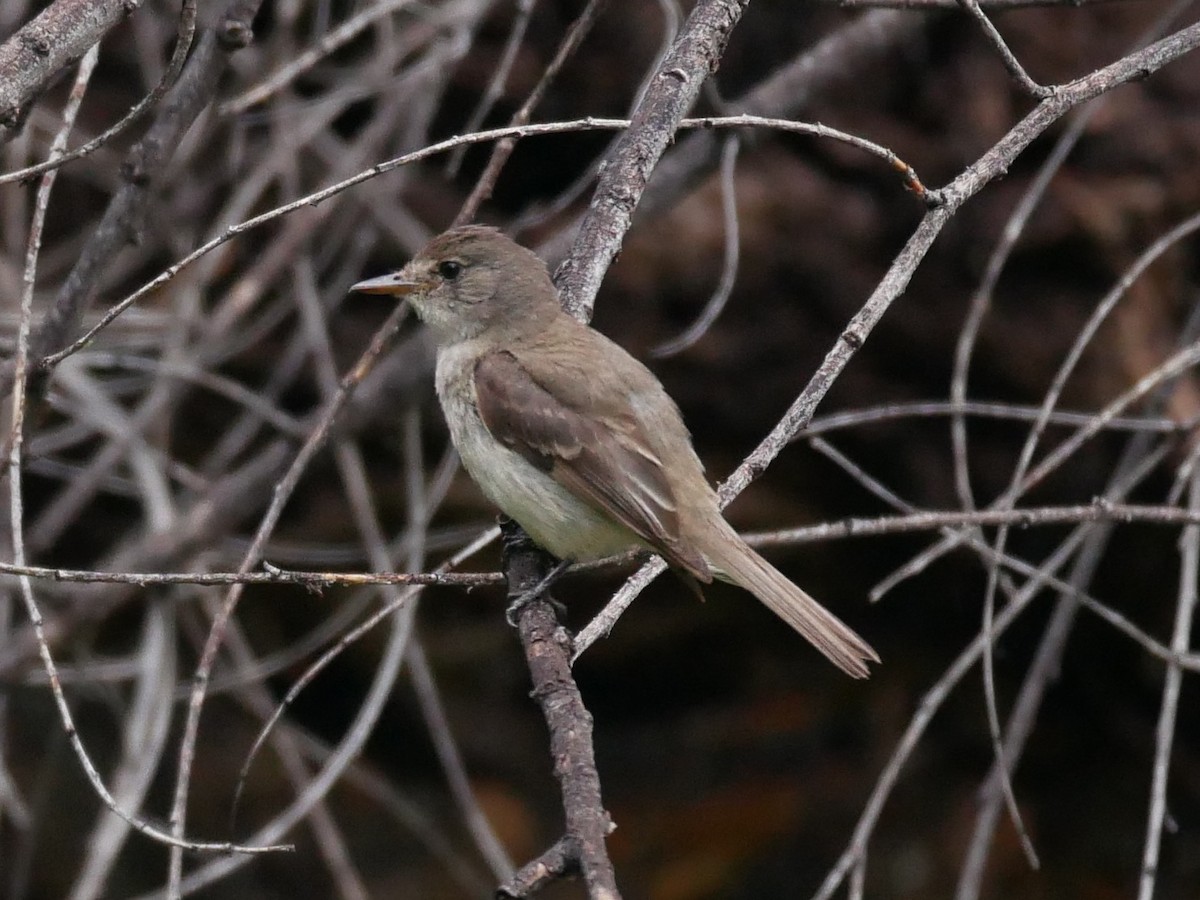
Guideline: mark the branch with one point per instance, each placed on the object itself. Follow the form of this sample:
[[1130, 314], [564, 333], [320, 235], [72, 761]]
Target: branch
[[671, 93], [994, 163], [833, 61], [122, 221], [183, 43], [548, 653], [41, 48]]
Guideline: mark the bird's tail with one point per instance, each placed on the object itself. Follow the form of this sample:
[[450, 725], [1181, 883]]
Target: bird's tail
[[737, 563]]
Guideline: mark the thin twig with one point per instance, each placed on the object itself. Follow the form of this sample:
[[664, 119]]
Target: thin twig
[[1164, 735], [486, 182], [20, 369], [50, 360], [1015, 69], [62, 32], [670, 94], [283, 491], [183, 43], [720, 296]]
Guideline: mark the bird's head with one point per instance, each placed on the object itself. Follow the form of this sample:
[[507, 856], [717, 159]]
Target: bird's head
[[469, 280]]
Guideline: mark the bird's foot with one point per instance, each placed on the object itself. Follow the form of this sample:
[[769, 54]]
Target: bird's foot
[[535, 592]]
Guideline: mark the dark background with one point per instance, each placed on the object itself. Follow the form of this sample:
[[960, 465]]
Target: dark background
[[735, 761]]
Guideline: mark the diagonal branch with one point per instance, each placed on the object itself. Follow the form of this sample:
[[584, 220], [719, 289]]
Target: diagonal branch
[[60, 34], [671, 93], [145, 163]]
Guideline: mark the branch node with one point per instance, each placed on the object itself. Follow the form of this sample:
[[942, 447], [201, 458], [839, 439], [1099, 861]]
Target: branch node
[[236, 33], [37, 43]]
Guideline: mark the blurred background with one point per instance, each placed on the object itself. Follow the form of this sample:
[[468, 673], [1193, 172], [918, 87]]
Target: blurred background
[[735, 761]]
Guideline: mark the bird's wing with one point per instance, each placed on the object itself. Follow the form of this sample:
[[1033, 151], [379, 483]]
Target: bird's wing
[[606, 461]]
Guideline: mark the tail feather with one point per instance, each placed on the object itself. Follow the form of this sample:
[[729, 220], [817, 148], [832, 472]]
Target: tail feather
[[737, 563]]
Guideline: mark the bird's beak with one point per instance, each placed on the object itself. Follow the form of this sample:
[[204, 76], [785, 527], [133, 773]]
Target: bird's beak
[[396, 284]]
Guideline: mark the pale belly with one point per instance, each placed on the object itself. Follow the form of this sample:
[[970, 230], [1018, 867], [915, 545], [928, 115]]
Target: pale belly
[[555, 518]]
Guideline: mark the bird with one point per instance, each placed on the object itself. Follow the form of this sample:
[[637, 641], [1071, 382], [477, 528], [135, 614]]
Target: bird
[[572, 437]]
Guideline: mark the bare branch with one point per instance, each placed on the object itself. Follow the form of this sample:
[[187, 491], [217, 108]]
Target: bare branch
[[547, 652], [671, 93], [57, 37]]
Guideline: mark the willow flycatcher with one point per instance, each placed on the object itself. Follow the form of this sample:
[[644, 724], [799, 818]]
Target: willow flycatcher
[[571, 436]]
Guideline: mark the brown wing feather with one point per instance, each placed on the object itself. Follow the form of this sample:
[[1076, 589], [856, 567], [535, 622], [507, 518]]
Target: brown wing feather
[[608, 463]]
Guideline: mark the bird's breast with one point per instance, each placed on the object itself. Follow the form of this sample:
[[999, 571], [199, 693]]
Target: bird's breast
[[557, 520]]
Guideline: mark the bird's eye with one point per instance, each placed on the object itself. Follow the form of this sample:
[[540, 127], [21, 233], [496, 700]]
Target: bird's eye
[[449, 269]]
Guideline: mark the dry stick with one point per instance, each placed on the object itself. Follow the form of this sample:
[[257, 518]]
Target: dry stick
[[20, 369], [16, 436], [1185, 609], [300, 63], [992, 164], [1038, 577], [834, 60], [1015, 69], [1137, 461], [253, 554], [586, 124], [352, 745], [627, 169], [560, 861], [272, 575], [495, 85], [858, 879], [450, 757], [729, 268], [60, 34], [547, 648], [1099, 510], [183, 43], [143, 165], [486, 182]]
